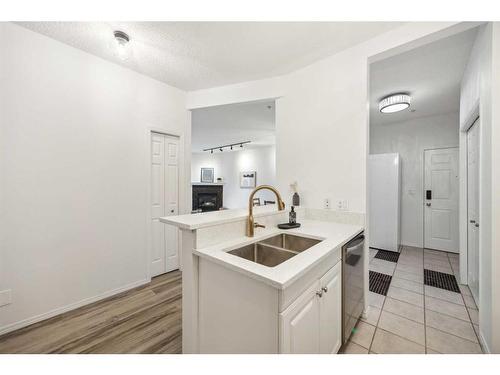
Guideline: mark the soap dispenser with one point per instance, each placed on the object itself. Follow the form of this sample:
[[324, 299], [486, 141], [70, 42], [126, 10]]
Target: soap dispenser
[[292, 216]]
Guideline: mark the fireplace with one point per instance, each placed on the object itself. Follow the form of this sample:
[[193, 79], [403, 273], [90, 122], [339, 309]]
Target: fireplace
[[207, 197]]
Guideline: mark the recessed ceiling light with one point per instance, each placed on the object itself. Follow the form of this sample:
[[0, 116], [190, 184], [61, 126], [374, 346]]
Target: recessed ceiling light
[[394, 103]]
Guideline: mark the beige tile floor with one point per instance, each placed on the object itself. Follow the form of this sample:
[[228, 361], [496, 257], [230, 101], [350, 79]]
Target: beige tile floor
[[413, 317]]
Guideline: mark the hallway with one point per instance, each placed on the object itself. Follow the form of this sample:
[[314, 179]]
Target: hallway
[[416, 311]]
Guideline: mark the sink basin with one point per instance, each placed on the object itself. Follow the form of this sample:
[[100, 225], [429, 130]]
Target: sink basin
[[291, 242], [274, 250]]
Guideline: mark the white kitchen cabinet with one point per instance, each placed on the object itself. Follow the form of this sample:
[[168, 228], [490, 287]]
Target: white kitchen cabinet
[[331, 311], [313, 323], [299, 324], [238, 314]]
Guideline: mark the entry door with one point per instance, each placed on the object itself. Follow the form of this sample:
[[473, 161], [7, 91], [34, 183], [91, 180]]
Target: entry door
[[164, 202], [473, 210], [441, 199]]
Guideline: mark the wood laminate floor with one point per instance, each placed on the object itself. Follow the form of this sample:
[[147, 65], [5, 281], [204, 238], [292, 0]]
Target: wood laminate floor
[[146, 319]]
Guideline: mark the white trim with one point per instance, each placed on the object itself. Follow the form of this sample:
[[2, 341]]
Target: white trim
[[60, 310], [471, 118], [366, 312], [181, 168], [483, 343]]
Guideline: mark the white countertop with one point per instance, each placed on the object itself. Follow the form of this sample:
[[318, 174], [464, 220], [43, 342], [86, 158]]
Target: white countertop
[[334, 235], [206, 219]]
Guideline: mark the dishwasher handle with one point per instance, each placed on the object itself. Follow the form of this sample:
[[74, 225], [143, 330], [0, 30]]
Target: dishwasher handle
[[354, 243]]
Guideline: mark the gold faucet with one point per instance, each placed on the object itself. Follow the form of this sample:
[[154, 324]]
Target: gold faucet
[[251, 224]]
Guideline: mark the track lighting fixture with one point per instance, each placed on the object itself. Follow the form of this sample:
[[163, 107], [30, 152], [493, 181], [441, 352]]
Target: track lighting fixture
[[230, 146]]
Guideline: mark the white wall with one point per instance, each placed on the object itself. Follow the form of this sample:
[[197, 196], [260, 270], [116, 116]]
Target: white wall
[[410, 139], [481, 84], [73, 173], [321, 118], [494, 106], [228, 165]]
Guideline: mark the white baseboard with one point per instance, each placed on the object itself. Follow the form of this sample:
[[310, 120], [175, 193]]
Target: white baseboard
[[38, 318], [483, 343], [366, 311]]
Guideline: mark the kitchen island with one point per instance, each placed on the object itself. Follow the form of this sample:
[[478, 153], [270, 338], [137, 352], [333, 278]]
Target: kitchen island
[[276, 292]]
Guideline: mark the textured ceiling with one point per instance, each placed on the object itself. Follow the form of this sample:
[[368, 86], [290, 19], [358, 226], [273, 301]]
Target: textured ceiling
[[196, 55], [431, 74], [226, 124]]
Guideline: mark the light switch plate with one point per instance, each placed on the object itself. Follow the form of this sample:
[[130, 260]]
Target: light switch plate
[[5, 297]]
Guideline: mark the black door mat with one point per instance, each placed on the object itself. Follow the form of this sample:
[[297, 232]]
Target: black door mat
[[379, 282], [441, 280], [390, 256]]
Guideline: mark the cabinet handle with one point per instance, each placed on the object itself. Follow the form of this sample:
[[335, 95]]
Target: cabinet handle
[[319, 293], [472, 221], [324, 289]]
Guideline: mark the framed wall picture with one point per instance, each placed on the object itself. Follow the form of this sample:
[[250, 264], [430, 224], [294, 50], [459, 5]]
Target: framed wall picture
[[248, 179], [207, 175]]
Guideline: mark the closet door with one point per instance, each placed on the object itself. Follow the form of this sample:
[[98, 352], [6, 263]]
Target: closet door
[[157, 204], [164, 202], [171, 201]]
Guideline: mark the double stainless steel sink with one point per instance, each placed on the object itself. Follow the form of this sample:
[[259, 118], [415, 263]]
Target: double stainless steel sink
[[274, 250]]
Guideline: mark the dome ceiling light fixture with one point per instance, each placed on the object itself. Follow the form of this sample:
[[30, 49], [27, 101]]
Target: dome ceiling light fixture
[[394, 103], [122, 39]]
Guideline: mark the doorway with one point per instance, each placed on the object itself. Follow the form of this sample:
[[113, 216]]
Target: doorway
[[473, 209], [441, 199], [164, 202]]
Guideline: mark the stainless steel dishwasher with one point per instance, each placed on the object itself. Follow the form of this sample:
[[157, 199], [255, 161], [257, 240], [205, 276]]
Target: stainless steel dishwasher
[[353, 278]]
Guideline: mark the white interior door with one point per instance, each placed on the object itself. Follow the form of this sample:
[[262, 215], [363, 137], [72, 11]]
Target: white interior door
[[164, 202], [171, 202], [473, 210], [441, 199]]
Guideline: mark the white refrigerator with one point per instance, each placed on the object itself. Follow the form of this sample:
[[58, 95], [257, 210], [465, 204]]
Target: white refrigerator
[[384, 200]]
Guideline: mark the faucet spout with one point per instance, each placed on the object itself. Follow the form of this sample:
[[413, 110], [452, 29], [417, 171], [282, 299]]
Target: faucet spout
[[251, 224]]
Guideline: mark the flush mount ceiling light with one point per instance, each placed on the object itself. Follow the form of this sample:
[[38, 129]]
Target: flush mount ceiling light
[[122, 40], [394, 103]]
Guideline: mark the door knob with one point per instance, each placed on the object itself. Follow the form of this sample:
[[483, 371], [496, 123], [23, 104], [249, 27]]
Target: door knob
[[428, 204], [319, 293], [476, 225], [172, 211], [324, 289]]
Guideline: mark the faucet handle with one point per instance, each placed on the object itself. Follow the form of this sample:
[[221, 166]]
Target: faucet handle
[[257, 225]]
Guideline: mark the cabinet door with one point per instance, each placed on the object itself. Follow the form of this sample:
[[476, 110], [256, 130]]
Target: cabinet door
[[331, 311], [299, 324]]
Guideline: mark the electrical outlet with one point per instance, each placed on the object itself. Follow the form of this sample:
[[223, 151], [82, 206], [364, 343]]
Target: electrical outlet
[[339, 205], [327, 203], [5, 297], [345, 206]]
